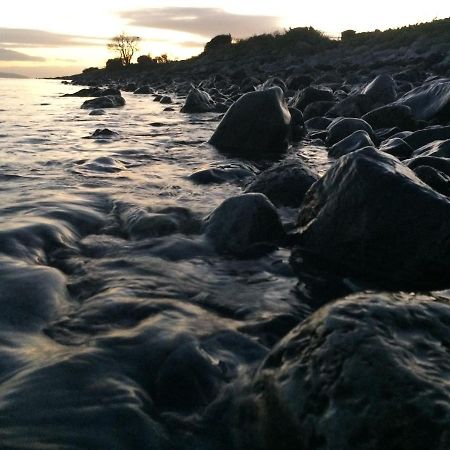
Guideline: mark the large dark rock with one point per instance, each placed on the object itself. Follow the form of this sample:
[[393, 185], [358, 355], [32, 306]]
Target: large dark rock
[[352, 106], [397, 147], [198, 101], [94, 92], [298, 81], [109, 101], [422, 137], [357, 140], [429, 101], [258, 123], [435, 148], [313, 94], [388, 116], [245, 225], [317, 109], [222, 174], [285, 183], [144, 90], [441, 164], [343, 127], [367, 372], [436, 179], [381, 90], [370, 216]]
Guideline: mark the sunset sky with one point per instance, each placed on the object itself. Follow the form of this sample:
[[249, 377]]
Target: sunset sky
[[48, 38]]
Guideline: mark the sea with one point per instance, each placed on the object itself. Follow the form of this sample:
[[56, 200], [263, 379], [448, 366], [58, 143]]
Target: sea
[[120, 326]]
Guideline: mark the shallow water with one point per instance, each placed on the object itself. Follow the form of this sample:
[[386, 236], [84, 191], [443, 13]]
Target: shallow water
[[116, 314]]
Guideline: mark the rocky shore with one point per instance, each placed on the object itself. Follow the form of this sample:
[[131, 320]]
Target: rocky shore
[[370, 243]]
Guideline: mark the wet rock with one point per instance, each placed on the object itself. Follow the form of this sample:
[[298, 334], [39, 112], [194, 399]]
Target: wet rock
[[297, 124], [285, 183], [94, 92], [397, 147], [104, 133], [169, 109], [429, 101], [427, 135], [318, 123], [370, 216], [381, 90], [258, 123], [165, 100], [352, 106], [317, 109], [97, 112], [366, 372], [441, 164], [198, 101], [222, 174], [357, 140], [313, 94], [437, 180], [343, 127], [245, 226], [400, 116], [271, 82], [295, 82], [109, 101], [435, 148], [143, 90]]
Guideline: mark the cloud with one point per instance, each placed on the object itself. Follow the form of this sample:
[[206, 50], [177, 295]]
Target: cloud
[[202, 21], [21, 37], [11, 55]]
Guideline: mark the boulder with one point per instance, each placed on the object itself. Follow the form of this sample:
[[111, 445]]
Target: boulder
[[352, 106], [435, 148], [222, 174], [258, 123], [143, 90], [198, 101], [285, 183], [318, 123], [94, 92], [244, 226], [109, 101], [396, 147], [357, 140], [381, 90], [422, 137], [367, 372], [297, 125], [317, 109], [430, 101], [104, 133], [388, 116], [436, 179], [441, 164], [313, 94], [370, 216], [295, 82], [342, 127], [97, 112], [165, 100]]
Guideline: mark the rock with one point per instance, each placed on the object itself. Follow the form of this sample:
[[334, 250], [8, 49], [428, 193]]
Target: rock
[[397, 147], [422, 137], [97, 112], [342, 127], [222, 174], [110, 101], [249, 84], [313, 94], [430, 101], [437, 180], [104, 133], [400, 116], [441, 164], [169, 109], [435, 148], [244, 226], [367, 372], [94, 92], [296, 82], [258, 123], [351, 106], [297, 125], [285, 183], [198, 101], [165, 100], [370, 216], [317, 109], [143, 90], [318, 123], [381, 90], [357, 140]]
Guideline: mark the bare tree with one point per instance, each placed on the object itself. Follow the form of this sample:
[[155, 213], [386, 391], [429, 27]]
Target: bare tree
[[126, 46]]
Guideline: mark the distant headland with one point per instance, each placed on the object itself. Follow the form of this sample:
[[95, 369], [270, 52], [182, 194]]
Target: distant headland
[[11, 75]]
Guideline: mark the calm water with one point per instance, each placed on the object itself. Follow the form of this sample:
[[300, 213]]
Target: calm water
[[119, 324]]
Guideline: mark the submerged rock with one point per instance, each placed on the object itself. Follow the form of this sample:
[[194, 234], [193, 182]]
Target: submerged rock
[[198, 101], [285, 183], [258, 123], [245, 226], [370, 216], [109, 101], [104, 133], [222, 174], [367, 372]]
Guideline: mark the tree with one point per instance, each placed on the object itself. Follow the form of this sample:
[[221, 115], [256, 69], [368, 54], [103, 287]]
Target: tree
[[126, 46]]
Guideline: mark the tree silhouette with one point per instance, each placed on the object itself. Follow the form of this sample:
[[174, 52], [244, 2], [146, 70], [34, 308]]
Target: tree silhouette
[[126, 46]]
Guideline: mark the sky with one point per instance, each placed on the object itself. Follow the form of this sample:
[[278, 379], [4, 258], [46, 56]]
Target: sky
[[40, 38]]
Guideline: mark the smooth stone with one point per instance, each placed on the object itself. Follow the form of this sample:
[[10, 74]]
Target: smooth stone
[[295, 81], [357, 140], [258, 123], [427, 135], [344, 126], [143, 90], [370, 216], [317, 109], [94, 92], [435, 148], [318, 123], [367, 372], [198, 101], [222, 174], [437, 180], [285, 183], [352, 106], [313, 94], [97, 112], [381, 90], [104, 133], [245, 226], [396, 147], [388, 116], [165, 100], [109, 101], [441, 164]]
